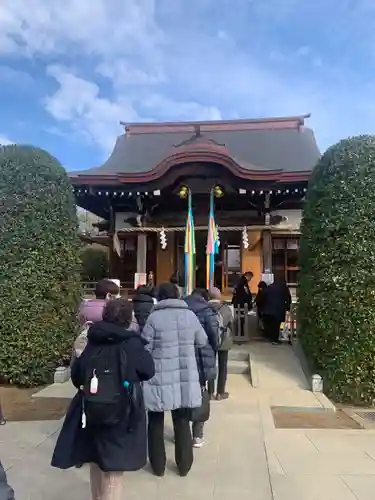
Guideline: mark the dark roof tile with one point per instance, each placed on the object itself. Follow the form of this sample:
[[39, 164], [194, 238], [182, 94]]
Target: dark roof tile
[[291, 149]]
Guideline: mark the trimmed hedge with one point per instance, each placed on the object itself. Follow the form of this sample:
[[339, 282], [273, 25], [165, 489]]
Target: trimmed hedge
[[336, 311], [39, 265], [95, 263]]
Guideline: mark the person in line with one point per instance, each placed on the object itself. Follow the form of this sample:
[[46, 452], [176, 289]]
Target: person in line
[[226, 340], [172, 332], [277, 301], [177, 282], [143, 302], [6, 492], [2, 418], [91, 310], [206, 356], [242, 293], [106, 423], [242, 297], [259, 301]]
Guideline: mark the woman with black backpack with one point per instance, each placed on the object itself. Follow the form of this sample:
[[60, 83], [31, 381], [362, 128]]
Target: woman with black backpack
[[106, 422]]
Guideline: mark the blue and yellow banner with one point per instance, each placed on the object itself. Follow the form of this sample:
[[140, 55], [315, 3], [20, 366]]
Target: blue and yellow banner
[[189, 250]]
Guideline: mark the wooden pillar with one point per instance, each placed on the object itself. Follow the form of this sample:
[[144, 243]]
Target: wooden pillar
[[266, 237], [112, 256], [142, 253]]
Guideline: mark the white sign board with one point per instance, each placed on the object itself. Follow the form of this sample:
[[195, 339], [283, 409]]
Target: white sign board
[[293, 219], [267, 278], [140, 279]]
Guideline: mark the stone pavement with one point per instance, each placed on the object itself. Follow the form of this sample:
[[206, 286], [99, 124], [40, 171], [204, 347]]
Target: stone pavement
[[245, 457], [233, 461], [277, 372]]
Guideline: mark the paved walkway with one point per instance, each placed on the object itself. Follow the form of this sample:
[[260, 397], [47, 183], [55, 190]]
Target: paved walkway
[[232, 463], [245, 457], [277, 373]]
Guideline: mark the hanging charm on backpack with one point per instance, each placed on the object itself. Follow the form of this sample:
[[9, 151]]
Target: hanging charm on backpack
[[83, 419], [94, 383]]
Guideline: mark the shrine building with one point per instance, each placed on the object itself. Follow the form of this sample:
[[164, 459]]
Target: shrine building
[[257, 170]]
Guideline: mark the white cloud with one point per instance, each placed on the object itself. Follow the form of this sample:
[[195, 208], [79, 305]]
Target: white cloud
[[122, 73], [4, 141], [78, 101], [137, 60], [180, 110], [100, 27]]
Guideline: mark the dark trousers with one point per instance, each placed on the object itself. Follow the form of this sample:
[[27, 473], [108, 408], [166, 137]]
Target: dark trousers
[[2, 419], [271, 327], [222, 371], [183, 441], [197, 429], [222, 358]]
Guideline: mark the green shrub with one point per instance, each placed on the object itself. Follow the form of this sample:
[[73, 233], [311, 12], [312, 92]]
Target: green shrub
[[95, 265], [39, 265], [336, 311]]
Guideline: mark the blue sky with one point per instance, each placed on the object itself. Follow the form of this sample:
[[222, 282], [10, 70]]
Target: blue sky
[[71, 70]]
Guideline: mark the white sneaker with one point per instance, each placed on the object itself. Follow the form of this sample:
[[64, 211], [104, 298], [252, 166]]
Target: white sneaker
[[198, 442]]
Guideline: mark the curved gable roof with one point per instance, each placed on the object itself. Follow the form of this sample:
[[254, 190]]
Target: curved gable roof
[[284, 145]]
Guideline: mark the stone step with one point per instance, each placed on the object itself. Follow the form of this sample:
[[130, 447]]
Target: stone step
[[238, 367], [238, 354]]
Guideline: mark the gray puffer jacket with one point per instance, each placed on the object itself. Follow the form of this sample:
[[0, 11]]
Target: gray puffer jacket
[[172, 332], [226, 313], [6, 492]]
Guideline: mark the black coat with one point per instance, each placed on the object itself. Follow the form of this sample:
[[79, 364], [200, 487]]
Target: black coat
[[206, 356], [115, 448], [6, 492], [259, 301], [276, 301], [242, 294], [142, 305]]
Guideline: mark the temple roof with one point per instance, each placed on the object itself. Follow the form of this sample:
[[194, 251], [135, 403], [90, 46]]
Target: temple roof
[[274, 144]]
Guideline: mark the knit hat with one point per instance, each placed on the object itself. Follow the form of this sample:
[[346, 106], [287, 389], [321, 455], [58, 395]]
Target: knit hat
[[214, 293]]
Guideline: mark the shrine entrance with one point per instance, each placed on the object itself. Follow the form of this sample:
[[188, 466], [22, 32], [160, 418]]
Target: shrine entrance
[[227, 261]]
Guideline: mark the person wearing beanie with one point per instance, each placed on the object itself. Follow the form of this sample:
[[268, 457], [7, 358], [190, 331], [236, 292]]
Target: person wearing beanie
[[226, 340]]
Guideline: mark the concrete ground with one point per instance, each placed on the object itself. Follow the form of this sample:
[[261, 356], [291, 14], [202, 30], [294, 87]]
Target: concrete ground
[[244, 457]]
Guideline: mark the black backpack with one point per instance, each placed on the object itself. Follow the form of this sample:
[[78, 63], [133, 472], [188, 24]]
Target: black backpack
[[106, 391]]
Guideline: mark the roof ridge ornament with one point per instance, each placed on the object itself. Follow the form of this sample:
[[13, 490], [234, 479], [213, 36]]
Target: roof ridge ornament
[[198, 137]]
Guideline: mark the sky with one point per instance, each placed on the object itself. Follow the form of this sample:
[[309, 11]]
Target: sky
[[71, 70]]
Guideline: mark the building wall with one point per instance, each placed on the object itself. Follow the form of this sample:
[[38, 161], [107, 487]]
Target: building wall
[[252, 258], [121, 219]]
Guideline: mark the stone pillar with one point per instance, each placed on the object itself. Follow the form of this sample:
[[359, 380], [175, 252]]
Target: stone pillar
[[267, 251], [142, 253]]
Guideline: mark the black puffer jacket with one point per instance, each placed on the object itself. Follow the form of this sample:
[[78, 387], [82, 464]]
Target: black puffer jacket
[[6, 492], [143, 303], [206, 356]]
